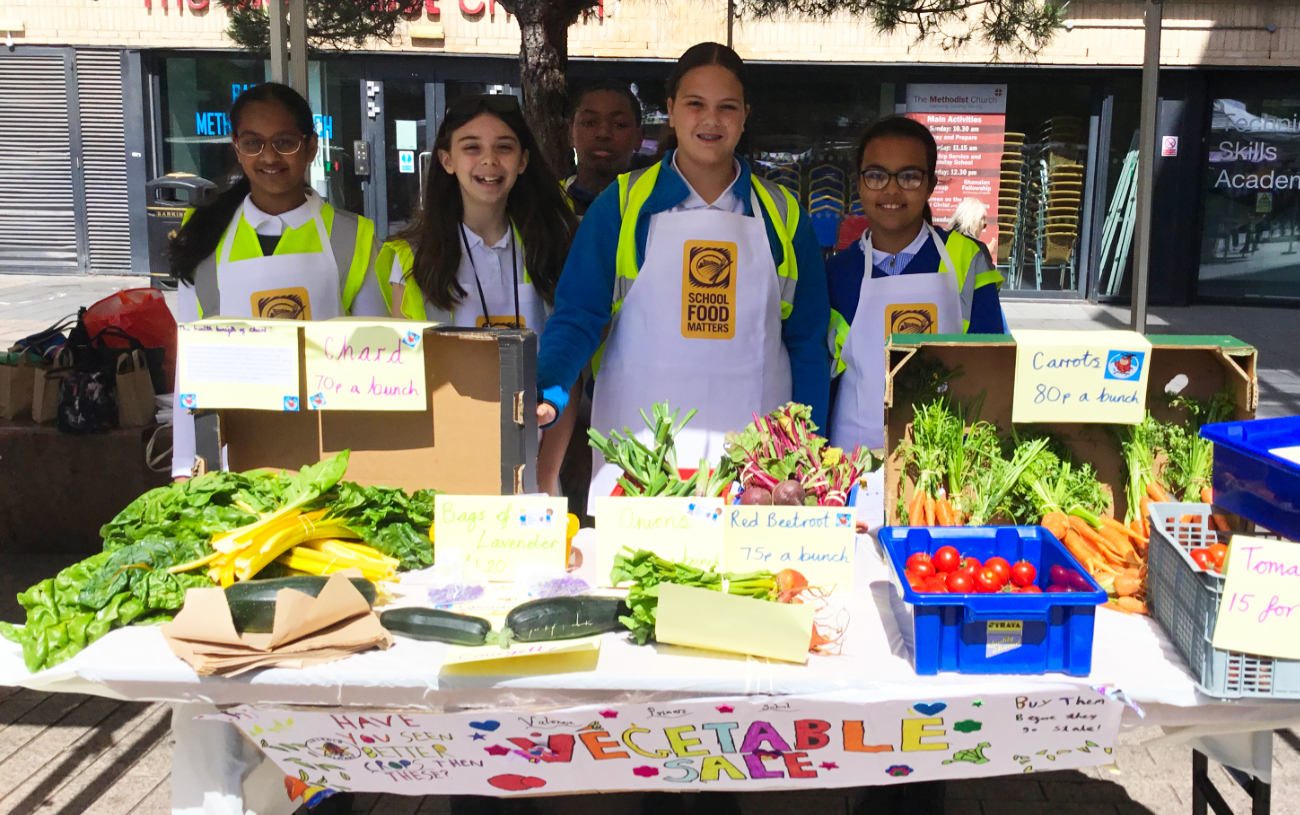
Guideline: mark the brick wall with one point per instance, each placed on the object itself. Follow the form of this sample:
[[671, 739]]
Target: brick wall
[[1106, 32]]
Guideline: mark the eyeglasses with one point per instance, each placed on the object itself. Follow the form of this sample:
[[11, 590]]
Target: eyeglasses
[[877, 179], [500, 103], [254, 145]]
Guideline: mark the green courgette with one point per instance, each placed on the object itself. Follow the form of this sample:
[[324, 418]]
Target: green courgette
[[252, 602], [562, 618], [437, 625]]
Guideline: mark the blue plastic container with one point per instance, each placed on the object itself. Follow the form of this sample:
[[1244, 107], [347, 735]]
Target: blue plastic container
[[994, 633], [1252, 482]]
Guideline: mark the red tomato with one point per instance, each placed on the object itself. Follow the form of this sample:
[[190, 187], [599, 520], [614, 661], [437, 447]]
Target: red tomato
[[971, 566], [915, 582], [1023, 573], [921, 569], [936, 584], [919, 557], [1001, 566], [1201, 557], [947, 559], [960, 583], [1217, 553], [1030, 589], [987, 581]]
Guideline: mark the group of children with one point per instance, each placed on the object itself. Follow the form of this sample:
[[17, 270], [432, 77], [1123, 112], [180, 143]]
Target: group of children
[[691, 280]]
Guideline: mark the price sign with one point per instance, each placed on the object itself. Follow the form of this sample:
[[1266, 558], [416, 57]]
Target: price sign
[[365, 365], [817, 542], [496, 534], [687, 530], [1080, 376], [250, 364], [1260, 609]]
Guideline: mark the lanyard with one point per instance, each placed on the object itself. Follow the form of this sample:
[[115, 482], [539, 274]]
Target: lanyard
[[514, 269]]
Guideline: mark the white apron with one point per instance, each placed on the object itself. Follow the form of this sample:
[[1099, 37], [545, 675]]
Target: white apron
[[670, 339], [299, 285], [898, 304]]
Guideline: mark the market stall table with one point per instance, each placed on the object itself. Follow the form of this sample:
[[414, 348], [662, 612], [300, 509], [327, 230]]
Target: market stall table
[[217, 770]]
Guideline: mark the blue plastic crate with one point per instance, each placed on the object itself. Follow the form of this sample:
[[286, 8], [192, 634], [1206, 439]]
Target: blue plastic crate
[[951, 632], [1252, 482]]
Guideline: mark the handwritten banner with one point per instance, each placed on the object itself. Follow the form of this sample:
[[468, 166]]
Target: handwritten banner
[[1261, 589], [250, 364], [739, 744], [1080, 376], [687, 530], [497, 534], [365, 365], [815, 541]]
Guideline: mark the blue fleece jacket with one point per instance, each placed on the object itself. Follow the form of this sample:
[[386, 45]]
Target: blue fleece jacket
[[585, 294]]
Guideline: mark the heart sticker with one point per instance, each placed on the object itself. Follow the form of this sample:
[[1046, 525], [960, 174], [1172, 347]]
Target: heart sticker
[[516, 783], [926, 708], [489, 725]]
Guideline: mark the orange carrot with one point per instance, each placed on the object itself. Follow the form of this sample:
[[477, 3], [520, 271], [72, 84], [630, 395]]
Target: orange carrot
[[1131, 605], [930, 519], [1056, 523], [916, 509], [1114, 605], [1207, 495], [1144, 507], [1119, 543], [1135, 527], [1157, 492], [1220, 522], [1124, 530], [1189, 519], [1085, 554], [943, 511], [1094, 539]]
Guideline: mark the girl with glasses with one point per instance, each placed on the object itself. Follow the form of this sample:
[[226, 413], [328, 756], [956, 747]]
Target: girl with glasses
[[488, 247], [269, 246], [709, 281], [904, 276]]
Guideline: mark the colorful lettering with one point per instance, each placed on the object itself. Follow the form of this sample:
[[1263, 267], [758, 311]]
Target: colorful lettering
[[811, 734], [627, 739], [723, 731], [684, 764], [756, 769], [715, 764], [798, 765], [600, 747], [680, 744], [559, 748], [916, 729], [760, 733], [854, 737]]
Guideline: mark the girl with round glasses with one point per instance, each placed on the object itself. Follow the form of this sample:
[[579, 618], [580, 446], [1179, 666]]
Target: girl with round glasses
[[903, 276], [269, 246]]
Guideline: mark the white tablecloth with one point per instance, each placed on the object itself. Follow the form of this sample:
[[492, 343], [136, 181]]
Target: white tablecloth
[[1130, 653]]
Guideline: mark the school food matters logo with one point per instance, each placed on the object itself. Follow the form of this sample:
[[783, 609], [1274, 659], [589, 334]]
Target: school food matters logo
[[1125, 366], [911, 318], [709, 290], [282, 304]]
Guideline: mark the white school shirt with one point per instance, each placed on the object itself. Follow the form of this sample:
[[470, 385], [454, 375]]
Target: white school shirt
[[492, 263], [896, 263]]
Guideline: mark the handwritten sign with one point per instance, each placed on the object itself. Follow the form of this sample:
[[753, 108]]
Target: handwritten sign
[[499, 533], [740, 744], [365, 365], [815, 541], [687, 530], [1260, 609], [250, 364], [1080, 376]]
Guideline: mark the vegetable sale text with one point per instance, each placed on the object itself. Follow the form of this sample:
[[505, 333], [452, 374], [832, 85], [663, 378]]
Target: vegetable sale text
[[749, 743]]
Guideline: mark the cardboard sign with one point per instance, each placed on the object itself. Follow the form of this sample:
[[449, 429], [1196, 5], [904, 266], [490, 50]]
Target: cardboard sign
[[687, 530], [1098, 377], [365, 365], [1260, 593], [463, 655], [736, 744], [250, 364], [499, 533], [815, 541], [714, 620]]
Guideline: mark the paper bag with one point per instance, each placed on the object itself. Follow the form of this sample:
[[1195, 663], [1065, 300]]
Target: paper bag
[[15, 386], [135, 396], [45, 388]]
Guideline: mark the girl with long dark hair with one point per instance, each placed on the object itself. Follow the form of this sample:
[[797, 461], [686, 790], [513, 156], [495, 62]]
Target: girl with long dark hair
[[269, 246]]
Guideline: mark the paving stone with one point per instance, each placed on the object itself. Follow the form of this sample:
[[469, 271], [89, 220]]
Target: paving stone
[[136, 784], [1011, 788], [996, 807], [1086, 792], [962, 806], [157, 802], [396, 805]]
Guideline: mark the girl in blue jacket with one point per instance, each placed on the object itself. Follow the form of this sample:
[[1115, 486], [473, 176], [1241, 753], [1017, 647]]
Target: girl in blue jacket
[[710, 281]]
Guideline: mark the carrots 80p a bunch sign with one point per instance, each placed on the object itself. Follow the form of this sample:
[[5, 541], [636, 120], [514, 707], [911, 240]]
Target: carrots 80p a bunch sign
[[738, 744]]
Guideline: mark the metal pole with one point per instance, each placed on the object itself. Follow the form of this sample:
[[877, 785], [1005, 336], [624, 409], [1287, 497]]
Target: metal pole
[[1146, 166], [298, 45], [279, 41]]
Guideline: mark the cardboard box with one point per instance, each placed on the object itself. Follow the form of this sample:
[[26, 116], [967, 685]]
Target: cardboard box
[[478, 434], [988, 364]]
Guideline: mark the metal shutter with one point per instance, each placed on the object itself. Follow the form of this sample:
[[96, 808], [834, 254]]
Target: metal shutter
[[38, 220], [103, 149]]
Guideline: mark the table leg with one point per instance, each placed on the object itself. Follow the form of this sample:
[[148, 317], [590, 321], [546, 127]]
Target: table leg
[[216, 771]]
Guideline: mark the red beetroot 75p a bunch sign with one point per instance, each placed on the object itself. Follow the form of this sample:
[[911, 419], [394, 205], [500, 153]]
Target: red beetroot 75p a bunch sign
[[739, 744]]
